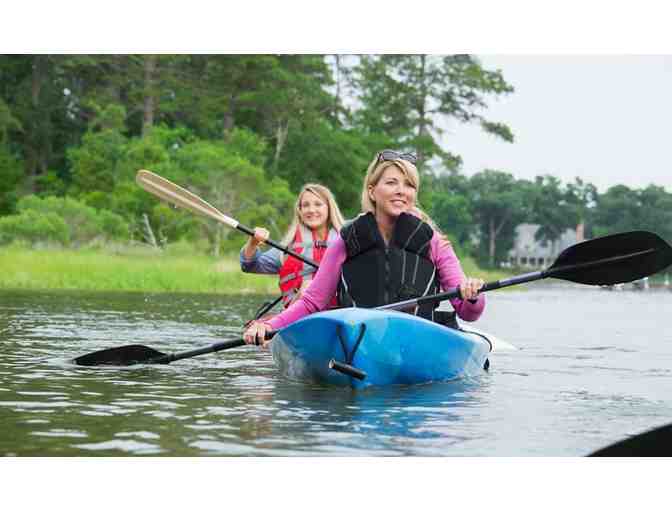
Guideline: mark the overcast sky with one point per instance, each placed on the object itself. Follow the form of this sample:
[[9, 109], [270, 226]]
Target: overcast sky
[[605, 119]]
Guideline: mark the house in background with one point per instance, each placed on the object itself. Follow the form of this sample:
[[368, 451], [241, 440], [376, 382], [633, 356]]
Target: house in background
[[527, 252]]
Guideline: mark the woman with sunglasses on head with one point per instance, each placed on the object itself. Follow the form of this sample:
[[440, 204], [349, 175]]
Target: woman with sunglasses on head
[[391, 252], [316, 223]]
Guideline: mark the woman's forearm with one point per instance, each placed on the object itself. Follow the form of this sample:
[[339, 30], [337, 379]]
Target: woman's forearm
[[249, 249]]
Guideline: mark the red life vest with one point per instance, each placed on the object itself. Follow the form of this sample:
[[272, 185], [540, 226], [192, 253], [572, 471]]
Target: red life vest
[[294, 273]]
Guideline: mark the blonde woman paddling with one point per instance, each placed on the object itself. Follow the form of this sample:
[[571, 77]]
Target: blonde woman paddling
[[315, 226], [389, 253]]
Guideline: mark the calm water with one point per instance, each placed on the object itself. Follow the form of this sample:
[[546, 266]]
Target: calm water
[[592, 367]]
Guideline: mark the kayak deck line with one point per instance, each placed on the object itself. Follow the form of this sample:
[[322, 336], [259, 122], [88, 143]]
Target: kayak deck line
[[347, 367], [477, 333]]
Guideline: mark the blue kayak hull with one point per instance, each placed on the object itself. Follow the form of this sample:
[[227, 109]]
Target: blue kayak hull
[[389, 347]]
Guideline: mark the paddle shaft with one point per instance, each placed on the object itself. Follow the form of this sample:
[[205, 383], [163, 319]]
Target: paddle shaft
[[219, 346], [280, 247]]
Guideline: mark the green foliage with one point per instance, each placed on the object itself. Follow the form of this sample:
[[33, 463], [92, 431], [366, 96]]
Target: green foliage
[[621, 209], [218, 173], [333, 157], [12, 173], [62, 220], [94, 165], [112, 225], [7, 122], [447, 199], [499, 203], [111, 117], [453, 215], [247, 144], [404, 95], [33, 227], [553, 207]]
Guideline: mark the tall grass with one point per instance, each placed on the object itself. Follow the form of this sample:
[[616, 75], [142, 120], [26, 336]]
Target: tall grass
[[134, 270], [141, 269]]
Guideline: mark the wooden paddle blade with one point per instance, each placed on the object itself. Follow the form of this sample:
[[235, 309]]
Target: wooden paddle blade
[[617, 258], [180, 197], [119, 356]]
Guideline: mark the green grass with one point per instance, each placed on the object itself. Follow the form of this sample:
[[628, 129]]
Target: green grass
[[130, 270], [141, 269]]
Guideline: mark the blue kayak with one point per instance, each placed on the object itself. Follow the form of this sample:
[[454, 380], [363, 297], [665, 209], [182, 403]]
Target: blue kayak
[[359, 347]]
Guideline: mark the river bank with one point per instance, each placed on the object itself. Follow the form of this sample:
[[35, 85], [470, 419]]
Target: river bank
[[141, 269]]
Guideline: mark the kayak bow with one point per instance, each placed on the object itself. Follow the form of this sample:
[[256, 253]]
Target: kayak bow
[[361, 347]]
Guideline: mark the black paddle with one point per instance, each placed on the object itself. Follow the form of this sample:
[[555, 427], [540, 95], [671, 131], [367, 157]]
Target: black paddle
[[136, 354], [618, 258], [651, 443]]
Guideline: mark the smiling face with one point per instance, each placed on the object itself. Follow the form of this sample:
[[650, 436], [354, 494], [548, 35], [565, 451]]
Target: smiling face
[[313, 211], [394, 193]]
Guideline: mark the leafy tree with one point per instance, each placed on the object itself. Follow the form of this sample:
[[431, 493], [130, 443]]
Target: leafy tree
[[553, 207], [217, 90], [617, 211], [105, 165], [7, 123], [295, 97], [582, 197], [62, 220], [336, 158], [621, 209], [656, 214], [405, 95], [231, 183], [499, 204], [94, 165], [447, 199], [33, 227], [12, 172]]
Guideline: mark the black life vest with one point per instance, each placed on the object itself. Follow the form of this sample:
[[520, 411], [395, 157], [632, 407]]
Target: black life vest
[[374, 274]]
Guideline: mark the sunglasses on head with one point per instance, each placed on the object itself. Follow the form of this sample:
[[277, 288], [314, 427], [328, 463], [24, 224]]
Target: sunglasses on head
[[390, 155]]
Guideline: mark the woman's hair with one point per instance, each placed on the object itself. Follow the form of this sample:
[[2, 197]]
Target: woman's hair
[[375, 172], [334, 217]]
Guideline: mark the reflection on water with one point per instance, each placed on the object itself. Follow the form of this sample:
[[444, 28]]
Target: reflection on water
[[593, 368]]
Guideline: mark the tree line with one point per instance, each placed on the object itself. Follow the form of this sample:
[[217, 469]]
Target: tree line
[[245, 132]]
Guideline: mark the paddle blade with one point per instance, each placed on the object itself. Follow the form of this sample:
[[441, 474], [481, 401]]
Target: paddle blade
[[617, 258], [652, 443], [180, 197], [119, 356]]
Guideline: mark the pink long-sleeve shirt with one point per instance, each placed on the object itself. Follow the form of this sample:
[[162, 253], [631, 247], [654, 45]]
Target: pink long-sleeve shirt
[[325, 282]]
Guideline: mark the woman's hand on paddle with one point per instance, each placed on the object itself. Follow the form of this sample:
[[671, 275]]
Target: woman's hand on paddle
[[255, 334], [260, 236], [469, 288]]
